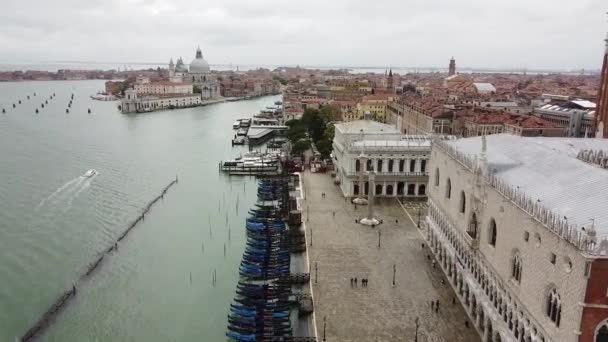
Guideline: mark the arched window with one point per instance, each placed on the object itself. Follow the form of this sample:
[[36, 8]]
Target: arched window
[[554, 306], [357, 165], [516, 265], [422, 190], [378, 189], [492, 233], [411, 189], [412, 165], [366, 188], [389, 189], [437, 177], [390, 165], [423, 165], [463, 202], [379, 165], [369, 165], [601, 332], [400, 188], [356, 189], [448, 189], [401, 165], [472, 229]]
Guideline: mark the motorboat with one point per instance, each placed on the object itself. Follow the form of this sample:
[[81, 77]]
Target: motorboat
[[236, 124], [90, 173]]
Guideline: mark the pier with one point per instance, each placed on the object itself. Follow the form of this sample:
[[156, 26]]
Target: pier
[[64, 299]]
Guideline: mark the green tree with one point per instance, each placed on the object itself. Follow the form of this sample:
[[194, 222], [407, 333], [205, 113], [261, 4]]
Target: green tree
[[324, 147], [329, 113], [300, 146], [330, 132]]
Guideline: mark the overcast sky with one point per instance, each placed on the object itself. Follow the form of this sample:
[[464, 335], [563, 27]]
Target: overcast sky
[[479, 33]]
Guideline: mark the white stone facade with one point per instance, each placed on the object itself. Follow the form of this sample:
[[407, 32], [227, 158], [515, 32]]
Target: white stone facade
[[519, 277], [400, 162]]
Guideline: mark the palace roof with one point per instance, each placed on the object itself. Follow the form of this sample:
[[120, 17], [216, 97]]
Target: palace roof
[[548, 170]]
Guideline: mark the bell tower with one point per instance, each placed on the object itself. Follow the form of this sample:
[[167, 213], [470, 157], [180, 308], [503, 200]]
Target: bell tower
[[600, 122], [389, 81], [452, 68]]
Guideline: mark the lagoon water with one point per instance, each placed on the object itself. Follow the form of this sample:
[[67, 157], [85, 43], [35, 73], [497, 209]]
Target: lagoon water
[[53, 222]]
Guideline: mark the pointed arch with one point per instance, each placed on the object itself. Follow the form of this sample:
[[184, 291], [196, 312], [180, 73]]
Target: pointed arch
[[437, 177], [463, 203], [492, 233], [448, 189]]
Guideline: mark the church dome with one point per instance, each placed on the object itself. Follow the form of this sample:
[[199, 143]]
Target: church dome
[[199, 65]]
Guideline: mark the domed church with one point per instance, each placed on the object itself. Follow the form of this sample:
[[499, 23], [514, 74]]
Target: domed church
[[198, 73]]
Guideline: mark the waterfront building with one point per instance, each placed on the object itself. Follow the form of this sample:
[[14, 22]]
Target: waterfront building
[[452, 67], [399, 161], [601, 116], [519, 226], [132, 102], [198, 73], [143, 86]]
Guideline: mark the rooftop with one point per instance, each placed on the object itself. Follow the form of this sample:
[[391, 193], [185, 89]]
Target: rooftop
[[547, 170], [486, 87], [367, 126]]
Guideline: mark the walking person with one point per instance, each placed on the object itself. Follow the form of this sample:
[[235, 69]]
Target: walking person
[[453, 300], [432, 305], [355, 281], [351, 282], [433, 263], [437, 306]]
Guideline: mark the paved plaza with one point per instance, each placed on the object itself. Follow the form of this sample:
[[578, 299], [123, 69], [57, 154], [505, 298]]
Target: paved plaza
[[343, 249]]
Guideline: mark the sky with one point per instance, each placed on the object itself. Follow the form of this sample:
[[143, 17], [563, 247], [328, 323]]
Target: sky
[[547, 34]]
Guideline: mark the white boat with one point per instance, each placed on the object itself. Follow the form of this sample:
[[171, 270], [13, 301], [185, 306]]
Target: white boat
[[90, 173], [236, 124]]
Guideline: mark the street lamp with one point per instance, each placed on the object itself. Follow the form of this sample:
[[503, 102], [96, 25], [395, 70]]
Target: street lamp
[[379, 235], [417, 323], [310, 237], [324, 326], [394, 272], [418, 217], [316, 274]]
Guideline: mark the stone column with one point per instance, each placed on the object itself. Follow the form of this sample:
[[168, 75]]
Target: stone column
[[370, 220]]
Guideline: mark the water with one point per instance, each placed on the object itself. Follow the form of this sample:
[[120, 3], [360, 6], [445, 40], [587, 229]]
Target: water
[[53, 222]]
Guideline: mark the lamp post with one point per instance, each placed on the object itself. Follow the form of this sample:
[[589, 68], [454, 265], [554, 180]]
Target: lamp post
[[379, 235], [316, 272], [416, 336], [394, 272], [418, 217], [310, 237], [324, 327]]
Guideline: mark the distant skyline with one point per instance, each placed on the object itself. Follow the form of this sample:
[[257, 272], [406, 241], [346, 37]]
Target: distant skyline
[[516, 34]]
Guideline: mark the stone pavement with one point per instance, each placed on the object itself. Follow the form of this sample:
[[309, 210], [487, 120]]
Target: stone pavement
[[342, 249]]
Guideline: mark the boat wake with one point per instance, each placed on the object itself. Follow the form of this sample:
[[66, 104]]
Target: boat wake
[[59, 191], [83, 187], [67, 192]]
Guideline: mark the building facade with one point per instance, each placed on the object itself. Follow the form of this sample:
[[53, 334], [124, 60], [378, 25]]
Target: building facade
[[400, 162], [198, 73], [135, 103], [143, 86], [523, 246]]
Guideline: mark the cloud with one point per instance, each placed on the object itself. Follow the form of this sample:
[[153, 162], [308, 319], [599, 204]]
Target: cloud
[[480, 33]]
